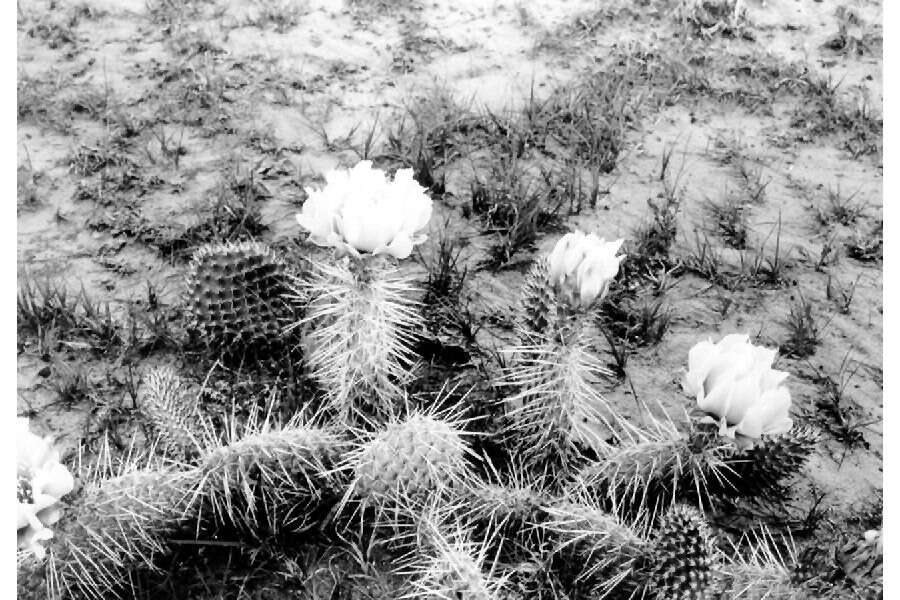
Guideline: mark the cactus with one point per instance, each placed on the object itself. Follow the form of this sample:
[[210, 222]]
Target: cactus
[[408, 460], [680, 560], [760, 471], [555, 410], [511, 505], [759, 568], [598, 547], [121, 525], [359, 335], [453, 566], [665, 467], [539, 308], [267, 479], [170, 404], [700, 468], [238, 297]]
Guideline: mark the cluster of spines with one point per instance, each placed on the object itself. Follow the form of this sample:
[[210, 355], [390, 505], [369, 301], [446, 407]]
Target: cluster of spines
[[759, 567], [555, 411], [264, 481], [238, 297], [360, 331], [602, 548], [170, 404], [512, 505], [666, 467]]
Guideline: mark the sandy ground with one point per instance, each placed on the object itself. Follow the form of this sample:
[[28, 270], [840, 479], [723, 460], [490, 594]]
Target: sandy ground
[[188, 101]]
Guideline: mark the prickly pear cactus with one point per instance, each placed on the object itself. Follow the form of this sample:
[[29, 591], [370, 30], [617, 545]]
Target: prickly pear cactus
[[170, 404], [238, 296], [418, 455], [681, 557]]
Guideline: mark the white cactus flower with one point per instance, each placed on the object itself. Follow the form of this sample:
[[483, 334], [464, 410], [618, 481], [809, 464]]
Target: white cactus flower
[[41, 481], [734, 382], [360, 212], [582, 266]]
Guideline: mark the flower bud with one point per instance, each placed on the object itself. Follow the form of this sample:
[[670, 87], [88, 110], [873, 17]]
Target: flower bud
[[582, 266]]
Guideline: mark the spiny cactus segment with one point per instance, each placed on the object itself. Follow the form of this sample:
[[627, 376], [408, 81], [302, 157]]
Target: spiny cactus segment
[[682, 557], [359, 335], [122, 524], [412, 458], [762, 470], [238, 297], [452, 565], [170, 404], [265, 479]]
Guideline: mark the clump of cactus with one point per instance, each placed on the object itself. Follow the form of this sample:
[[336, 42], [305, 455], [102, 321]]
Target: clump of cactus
[[699, 467], [568, 493], [239, 299], [117, 523], [359, 334], [123, 524], [362, 319]]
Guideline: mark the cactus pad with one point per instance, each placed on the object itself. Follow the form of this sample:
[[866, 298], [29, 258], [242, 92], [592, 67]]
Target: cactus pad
[[418, 455]]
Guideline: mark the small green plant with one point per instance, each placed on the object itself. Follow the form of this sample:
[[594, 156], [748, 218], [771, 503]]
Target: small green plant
[[514, 206], [841, 208], [803, 330], [763, 269], [730, 217], [841, 295], [837, 412], [753, 181], [45, 306], [654, 240]]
